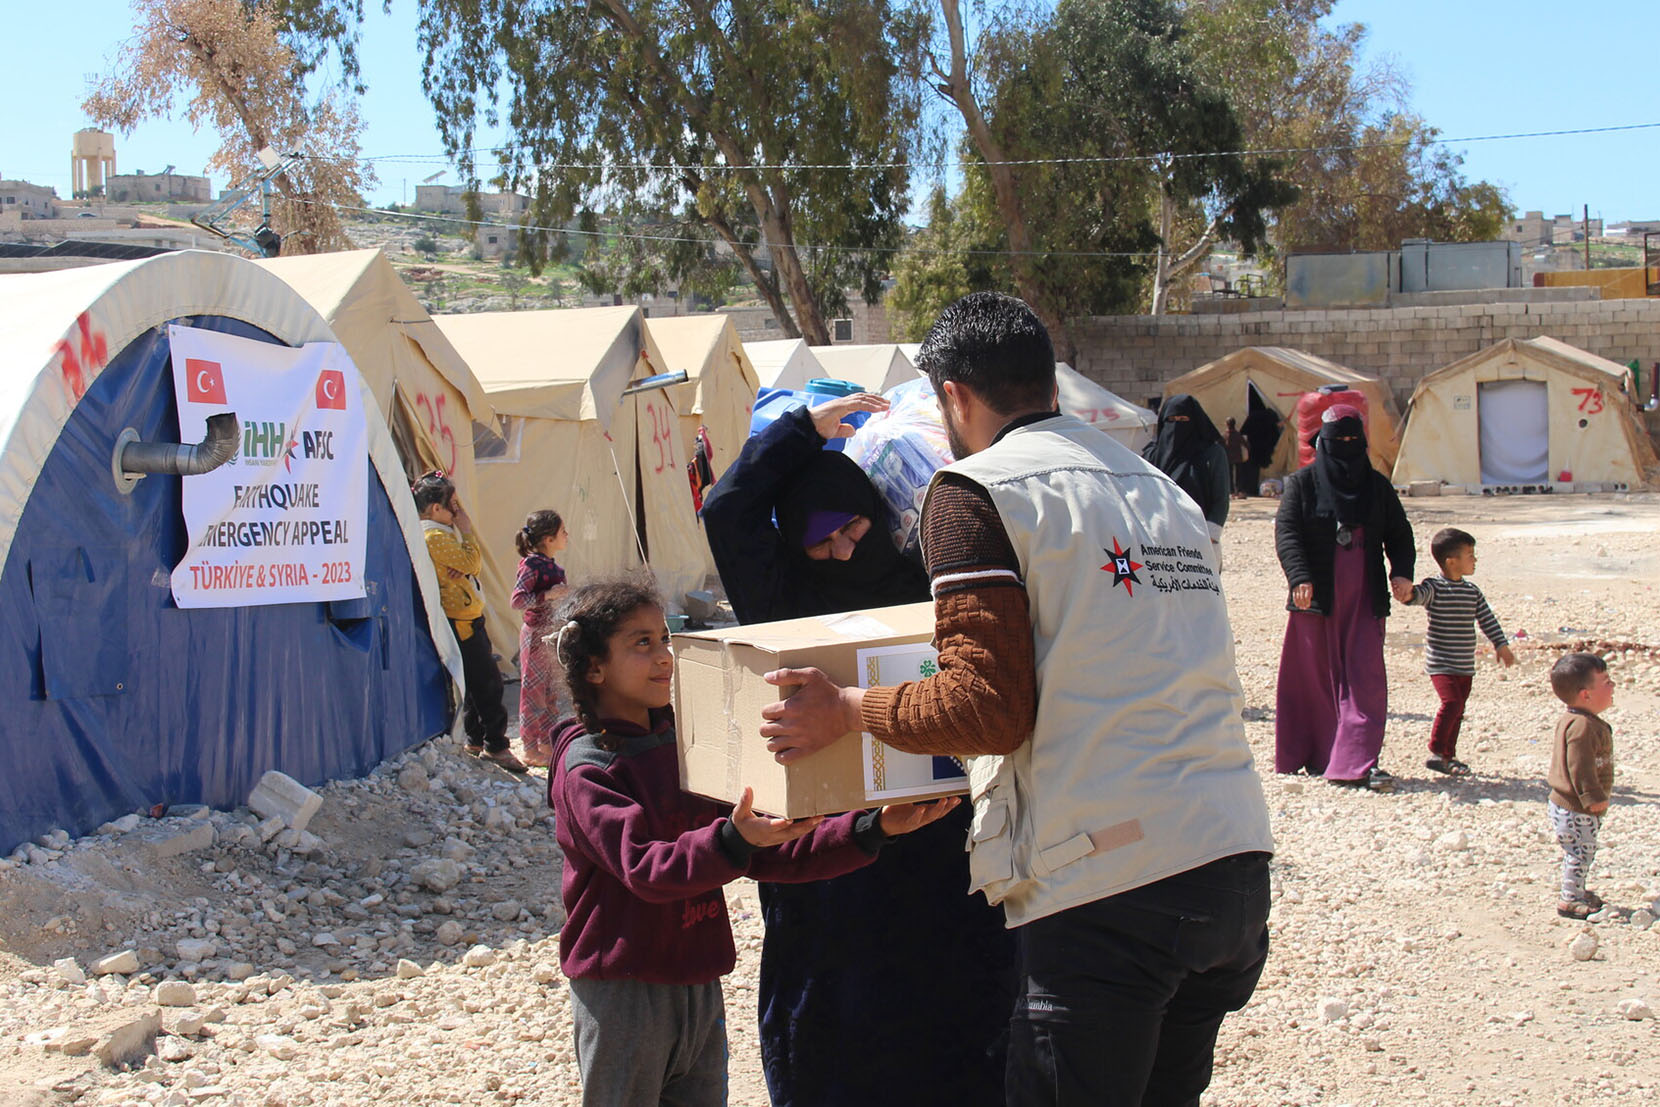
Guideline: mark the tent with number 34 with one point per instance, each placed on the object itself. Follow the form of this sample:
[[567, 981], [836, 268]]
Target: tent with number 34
[[613, 466]]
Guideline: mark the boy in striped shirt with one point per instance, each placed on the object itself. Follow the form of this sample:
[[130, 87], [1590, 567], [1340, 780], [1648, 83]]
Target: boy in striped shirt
[[1455, 607]]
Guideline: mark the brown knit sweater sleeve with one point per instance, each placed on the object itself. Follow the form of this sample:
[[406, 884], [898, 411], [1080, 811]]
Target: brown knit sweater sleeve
[[984, 698]]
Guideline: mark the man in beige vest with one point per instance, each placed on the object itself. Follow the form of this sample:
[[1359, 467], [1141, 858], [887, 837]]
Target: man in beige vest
[[1087, 678]]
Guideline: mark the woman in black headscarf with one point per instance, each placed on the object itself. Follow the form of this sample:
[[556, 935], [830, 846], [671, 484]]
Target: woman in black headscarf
[[1261, 429], [890, 984], [1189, 451], [1336, 521]]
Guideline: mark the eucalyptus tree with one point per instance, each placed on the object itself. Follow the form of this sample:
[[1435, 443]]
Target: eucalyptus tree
[[778, 128]]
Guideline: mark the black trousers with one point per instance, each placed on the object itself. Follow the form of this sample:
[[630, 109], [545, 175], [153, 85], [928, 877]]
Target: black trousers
[[1122, 998], [483, 714]]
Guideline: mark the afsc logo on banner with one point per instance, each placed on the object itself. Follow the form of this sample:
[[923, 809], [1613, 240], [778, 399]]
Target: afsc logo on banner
[[286, 520]]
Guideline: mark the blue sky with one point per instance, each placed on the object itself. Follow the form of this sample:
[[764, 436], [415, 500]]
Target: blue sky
[[1477, 67]]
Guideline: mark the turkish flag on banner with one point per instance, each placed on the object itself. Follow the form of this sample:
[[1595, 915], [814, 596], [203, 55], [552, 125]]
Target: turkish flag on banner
[[331, 390], [204, 382]]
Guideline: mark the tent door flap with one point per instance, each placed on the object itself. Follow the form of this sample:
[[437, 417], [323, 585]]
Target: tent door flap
[[80, 595]]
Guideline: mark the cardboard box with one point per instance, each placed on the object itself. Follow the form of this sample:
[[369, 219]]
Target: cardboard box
[[719, 693]]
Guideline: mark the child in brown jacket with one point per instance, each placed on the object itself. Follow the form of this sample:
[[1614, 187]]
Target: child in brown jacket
[[1581, 773]]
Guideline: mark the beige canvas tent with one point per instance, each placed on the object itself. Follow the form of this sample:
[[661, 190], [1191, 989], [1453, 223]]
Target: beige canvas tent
[[428, 395], [1131, 424], [783, 362], [721, 393], [1526, 412], [1280, 376], [874, 368], [612, 465]]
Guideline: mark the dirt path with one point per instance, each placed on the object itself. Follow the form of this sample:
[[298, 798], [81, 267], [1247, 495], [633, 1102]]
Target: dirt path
[[1416, 958]]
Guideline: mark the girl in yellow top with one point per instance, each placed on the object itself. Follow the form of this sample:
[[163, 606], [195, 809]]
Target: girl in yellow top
[[455, 554]]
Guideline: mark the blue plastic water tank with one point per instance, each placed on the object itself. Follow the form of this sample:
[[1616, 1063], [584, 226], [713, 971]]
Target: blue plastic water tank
[[770, 403]]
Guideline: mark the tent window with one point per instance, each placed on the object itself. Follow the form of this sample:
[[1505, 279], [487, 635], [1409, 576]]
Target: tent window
[[490, 446], [843, 330]]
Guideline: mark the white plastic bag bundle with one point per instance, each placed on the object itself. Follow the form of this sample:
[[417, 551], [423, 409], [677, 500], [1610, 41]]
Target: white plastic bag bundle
[[900, 450]]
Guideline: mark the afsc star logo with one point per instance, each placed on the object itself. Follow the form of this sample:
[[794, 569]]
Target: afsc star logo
[[331, 390], [1121, 567]]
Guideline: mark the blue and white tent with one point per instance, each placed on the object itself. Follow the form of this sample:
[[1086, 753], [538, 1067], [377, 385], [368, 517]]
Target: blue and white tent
[[116, 699]]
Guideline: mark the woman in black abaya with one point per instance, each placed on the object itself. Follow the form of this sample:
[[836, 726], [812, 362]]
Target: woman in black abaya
[[890, 984], [1189, 451]]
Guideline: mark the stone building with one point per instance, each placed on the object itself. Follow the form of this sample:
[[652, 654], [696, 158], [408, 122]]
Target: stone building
[[155, 188], [451, 200], [27, 201]]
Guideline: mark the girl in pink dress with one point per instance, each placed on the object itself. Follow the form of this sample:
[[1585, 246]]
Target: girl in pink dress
[[540, 587]]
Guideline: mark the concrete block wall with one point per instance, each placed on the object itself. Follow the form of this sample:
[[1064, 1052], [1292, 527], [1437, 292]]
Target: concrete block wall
[[1135, 355]]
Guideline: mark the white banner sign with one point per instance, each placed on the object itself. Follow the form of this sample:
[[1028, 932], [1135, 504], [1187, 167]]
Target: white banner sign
[[286, 519]]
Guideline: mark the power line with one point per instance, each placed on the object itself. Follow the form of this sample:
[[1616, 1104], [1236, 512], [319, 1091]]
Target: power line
[[638, 237], [672, 167]]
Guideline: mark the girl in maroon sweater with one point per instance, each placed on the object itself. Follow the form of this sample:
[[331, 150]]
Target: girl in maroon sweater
[[647, 937]]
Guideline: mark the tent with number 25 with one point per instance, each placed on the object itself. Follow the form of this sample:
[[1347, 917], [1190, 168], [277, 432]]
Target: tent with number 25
[[433, 404]]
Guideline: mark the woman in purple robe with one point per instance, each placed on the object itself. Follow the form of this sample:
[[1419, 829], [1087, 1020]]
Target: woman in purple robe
[[1336, 521]]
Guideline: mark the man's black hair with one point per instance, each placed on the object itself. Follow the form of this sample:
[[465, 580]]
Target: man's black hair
[[996, 346]]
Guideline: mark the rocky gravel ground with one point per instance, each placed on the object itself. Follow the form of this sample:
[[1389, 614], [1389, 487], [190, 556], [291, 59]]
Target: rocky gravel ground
[[402, 947]]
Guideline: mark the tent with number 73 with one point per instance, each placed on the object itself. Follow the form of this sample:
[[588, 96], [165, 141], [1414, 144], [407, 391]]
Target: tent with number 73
[[430, 399], [1526, 413], [613, 466]]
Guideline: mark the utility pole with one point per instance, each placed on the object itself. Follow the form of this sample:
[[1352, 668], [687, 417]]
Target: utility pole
[[1586, 226]]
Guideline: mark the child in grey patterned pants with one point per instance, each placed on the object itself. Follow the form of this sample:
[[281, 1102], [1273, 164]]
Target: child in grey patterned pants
[[1577, 835], [1581, 773]]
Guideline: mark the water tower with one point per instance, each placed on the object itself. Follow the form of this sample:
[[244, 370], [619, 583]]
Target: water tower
[[91, 161]]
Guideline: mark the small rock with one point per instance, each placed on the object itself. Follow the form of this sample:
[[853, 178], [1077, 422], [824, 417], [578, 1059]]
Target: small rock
[[414, 778], [1332, 1009], [280, 1046], [415, 839], [1584, 947], [1642, 918], [438, 874], [1635, 1009], [544, 973], [72, 1043], [188, 1024], [238, 970], [507, 910], [175, 993], [197, 949], [68, 970], [125, 963], [449, 933], [323, 939], [456, 850], [173, 1050], [409, 970], [1455, 840], [172, 839], [128, 1041], [478, 957], [1292, 787]]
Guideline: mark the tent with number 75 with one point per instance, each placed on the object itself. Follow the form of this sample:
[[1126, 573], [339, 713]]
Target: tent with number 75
[[432, 403], [613, 466], [1526, 413]]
